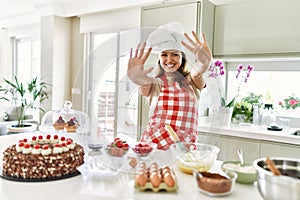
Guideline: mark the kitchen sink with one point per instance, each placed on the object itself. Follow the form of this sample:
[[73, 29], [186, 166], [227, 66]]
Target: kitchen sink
[[297, 133]]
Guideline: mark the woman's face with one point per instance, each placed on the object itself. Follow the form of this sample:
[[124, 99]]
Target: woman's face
[[170, 60]]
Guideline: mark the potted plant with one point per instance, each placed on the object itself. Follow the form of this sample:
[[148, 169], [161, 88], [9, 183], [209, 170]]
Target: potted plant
[[243, 111], [24, 96]]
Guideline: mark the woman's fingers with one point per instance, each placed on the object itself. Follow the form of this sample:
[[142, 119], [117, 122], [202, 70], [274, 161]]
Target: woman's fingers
[[187, 46], [204, 38], [196, 37], [142, 50], [189, 39], [137, 50], [147, 55]]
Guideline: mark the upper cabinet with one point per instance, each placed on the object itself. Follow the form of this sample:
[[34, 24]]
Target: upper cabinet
[[256, 27], [195, 16]]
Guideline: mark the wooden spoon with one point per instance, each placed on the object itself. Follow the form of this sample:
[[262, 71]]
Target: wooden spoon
[[271, 165]]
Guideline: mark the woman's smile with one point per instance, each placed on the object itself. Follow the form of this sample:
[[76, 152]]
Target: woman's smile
[[171, 60]]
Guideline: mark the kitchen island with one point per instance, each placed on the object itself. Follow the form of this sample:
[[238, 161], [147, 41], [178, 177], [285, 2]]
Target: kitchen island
[[71, 188]]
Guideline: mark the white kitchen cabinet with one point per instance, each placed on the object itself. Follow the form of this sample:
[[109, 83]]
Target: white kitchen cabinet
[[255, 27], [276, 149], [230, 145], [252, 148]]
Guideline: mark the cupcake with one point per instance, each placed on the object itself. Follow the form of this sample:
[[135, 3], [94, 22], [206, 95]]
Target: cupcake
[[27, 149], [71, 125], [57, 148], [36, 149], [46, 150], [59, 124]]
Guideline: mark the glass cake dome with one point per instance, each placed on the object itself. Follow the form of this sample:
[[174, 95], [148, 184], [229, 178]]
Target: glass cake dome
[[66, 120]]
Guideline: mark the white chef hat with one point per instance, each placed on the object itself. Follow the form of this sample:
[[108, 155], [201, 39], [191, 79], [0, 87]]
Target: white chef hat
[[168, 36]]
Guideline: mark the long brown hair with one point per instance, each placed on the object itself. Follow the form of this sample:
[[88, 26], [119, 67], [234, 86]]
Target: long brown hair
[[181, 78]]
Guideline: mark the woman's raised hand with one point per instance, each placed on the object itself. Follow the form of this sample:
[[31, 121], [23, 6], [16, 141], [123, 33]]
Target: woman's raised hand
[[135, 70], [200, 50]]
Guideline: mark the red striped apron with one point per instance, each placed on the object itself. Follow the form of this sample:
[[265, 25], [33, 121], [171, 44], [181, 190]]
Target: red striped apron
[[177, 107]]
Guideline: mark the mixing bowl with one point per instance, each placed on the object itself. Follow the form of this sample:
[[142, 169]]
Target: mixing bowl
[[285, 186], [195, 156]]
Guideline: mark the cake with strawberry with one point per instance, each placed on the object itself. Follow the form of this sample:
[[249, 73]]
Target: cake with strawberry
[[42, 157]]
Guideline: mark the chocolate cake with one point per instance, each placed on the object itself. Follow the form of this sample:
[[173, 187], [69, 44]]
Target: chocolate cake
[[42, 158]]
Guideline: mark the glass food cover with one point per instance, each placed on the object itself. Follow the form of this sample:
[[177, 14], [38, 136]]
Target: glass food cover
[[66, 120]]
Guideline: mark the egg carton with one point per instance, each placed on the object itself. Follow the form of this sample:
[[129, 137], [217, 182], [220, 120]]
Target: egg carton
[[162, 187]]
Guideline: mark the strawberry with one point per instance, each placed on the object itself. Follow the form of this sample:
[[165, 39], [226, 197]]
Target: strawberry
[[62, 138], [40, 137], [36, 146], [48, 137], [21, 144], [69, 139], [69, 142], [45, 147], [140, 145], [55, 137], [25, 140], [63, 144], [125, 146], [26, 145], [34, 138], [57, 145], [116, 139], [119, 143]]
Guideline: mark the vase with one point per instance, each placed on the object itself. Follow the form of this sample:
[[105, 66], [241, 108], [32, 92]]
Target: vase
[[225, 115]]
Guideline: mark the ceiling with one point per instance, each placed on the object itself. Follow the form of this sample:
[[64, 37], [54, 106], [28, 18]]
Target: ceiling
[[13, 12]]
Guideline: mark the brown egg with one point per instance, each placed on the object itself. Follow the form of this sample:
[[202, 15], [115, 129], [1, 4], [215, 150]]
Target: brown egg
[[155, 179], [165, 170], [154, 165], [169, 179], [141, 179]]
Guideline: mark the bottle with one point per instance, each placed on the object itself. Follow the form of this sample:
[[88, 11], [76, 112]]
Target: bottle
[[268, 115], [256, 116]]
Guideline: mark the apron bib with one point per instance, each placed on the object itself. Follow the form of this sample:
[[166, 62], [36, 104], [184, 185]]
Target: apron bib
[[177, 107]]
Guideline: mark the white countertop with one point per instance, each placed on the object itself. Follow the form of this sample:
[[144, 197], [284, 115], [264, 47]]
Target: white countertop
[[252, 132], [71, 188]]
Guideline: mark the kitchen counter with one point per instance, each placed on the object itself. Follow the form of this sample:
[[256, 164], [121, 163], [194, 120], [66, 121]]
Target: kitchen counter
[[251, 131], [71, 188]]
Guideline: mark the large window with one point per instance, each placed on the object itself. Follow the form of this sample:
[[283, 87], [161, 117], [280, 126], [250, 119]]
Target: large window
[[27, 60], [114, 96], [27, 57], [274, 79]]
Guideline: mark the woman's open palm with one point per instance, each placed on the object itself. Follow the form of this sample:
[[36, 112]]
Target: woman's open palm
[[136, 71]]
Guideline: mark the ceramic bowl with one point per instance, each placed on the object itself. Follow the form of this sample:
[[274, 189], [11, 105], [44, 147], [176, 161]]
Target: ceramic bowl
[[246, 174], [285, 186]]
